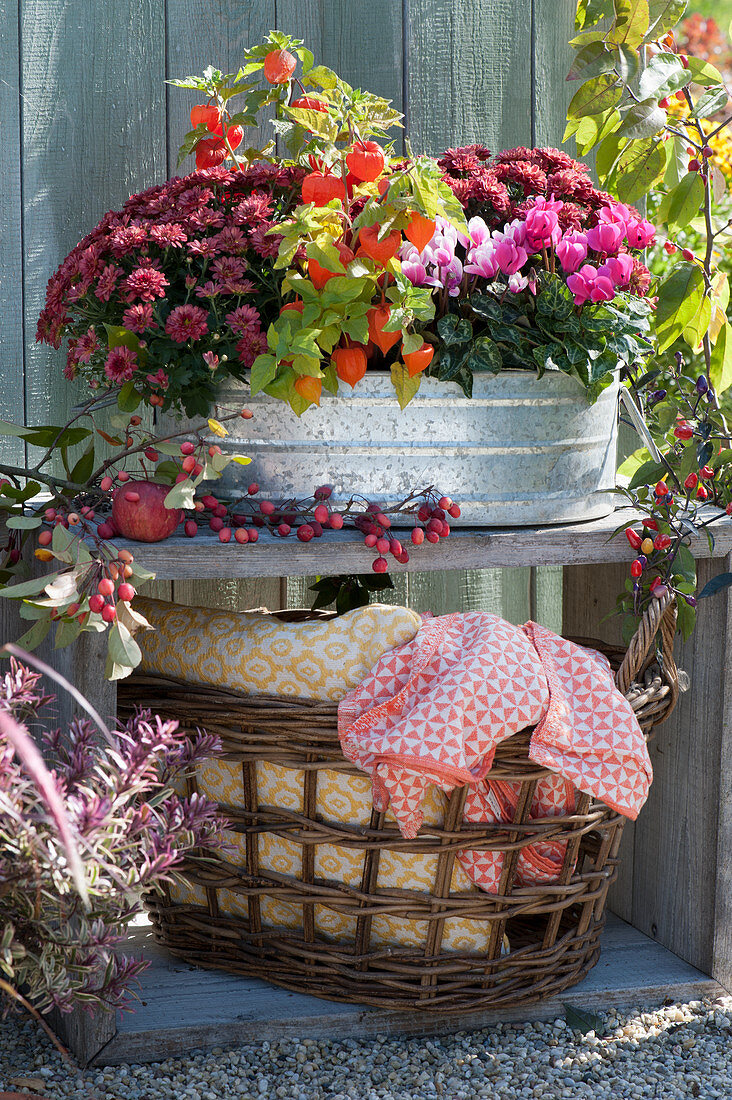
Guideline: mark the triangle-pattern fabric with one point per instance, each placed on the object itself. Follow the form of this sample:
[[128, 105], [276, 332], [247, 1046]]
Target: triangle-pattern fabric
[[432, 711]]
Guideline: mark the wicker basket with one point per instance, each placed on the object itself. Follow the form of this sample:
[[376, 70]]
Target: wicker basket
[[552, 931]]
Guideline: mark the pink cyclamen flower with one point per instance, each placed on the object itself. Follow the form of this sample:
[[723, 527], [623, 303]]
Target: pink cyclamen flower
[[617, 213], [572, 251], [479, 231], [120, 364], [519, 282], [588, 284], [640, 232], [605, 237], [618, 268], [482, 261], [510, 256], [186, 323], [540, 226]]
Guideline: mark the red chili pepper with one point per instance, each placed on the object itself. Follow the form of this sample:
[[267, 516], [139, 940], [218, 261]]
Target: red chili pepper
[[650, 524], [636, 568], [707, 473], [661, 542], [691, 481], [661, 489], [633, 538]]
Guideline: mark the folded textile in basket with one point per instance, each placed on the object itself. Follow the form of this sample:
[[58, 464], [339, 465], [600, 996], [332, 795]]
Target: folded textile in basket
[[432, 711]]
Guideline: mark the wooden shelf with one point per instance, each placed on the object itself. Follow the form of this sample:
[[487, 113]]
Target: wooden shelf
[[183, 1008], [344, 552]]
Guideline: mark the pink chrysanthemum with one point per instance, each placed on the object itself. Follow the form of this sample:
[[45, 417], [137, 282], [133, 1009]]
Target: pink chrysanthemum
[[139, 317], [227, 268], [126, 239], [250, 346], [209, 290], [244, 319], [266, 246], [186, 323], [107, 282], [146, 283], [170, 235], [86, 345], [120, 364], [205, 247]]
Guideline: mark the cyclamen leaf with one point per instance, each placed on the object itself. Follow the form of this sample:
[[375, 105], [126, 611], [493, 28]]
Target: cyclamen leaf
[[454, 330]]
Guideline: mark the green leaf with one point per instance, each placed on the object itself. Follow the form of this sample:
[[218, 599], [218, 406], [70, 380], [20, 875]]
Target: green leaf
[[677, 161], [123, 650], [642, 120], [710, 103], [631, 22], [647, 474], [633, 462], [663, 75], [663, 15], [599, 94], [23, 523], [32, 587], [84, 468], [181, 495], [685, 563], [594, 128], [485, 305], [484, 355], [128, 398], [405, 386], [702, 72], [716, 584], [696, 328], [35, 635], [679, 299], [592, 60], [639, 166], [264, 369], [720, 370], [582, 1019], [683, 203], [608, 154], [454, 330]]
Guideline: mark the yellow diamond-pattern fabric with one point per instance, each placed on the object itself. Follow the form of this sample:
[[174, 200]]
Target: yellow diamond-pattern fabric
[[257, 654], [254, 653]]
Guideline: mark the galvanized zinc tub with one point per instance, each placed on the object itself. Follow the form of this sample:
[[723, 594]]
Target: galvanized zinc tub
[[521, 451]]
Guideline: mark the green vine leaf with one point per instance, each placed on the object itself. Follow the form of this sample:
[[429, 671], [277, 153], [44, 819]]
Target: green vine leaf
[[639, 166]]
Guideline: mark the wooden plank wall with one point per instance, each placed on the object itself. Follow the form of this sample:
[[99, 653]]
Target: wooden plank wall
[[87, 119]]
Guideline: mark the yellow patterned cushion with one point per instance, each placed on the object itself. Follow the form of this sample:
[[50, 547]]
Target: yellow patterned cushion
[[344, 799], [258, 654]]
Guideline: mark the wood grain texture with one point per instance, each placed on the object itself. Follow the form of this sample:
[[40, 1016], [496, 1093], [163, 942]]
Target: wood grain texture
[[208, 32], [11, 242], [343, 552], [553, 26], [589, 596], [93, 132], [721, 964], [85, 1034], [676, 834], [184, 1009], [469, 73]]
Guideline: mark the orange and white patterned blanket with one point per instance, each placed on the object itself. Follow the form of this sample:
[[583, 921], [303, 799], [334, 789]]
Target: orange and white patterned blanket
[[433, 710]]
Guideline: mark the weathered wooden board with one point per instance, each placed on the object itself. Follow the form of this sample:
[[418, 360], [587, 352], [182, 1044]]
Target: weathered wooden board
[[343, 551], [184, 1008], [11, 233], [93, 132]]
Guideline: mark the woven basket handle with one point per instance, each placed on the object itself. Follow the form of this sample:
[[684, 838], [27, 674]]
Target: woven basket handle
[[660, 616]]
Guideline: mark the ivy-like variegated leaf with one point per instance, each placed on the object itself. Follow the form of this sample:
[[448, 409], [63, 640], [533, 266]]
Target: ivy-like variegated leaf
[[454, 330]]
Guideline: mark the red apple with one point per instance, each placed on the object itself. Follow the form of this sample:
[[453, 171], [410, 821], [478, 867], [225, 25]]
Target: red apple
[[138, 511]]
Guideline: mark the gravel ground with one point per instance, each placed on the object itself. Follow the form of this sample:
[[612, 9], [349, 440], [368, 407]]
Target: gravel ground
[[682, 1050]]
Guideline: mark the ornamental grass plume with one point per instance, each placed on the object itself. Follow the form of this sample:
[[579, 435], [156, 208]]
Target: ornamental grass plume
[[59, 945]]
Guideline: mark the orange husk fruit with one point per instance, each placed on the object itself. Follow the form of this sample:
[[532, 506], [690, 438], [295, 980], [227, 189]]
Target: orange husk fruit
[[419, 360], [420, 231], [350, 363], [380, 251], [310, 388], [377, 318]]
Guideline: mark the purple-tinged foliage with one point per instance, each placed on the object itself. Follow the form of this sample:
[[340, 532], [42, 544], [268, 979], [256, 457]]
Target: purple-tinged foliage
[[126, 819]]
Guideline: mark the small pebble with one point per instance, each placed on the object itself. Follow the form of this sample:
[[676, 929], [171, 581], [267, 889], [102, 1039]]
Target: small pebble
[[677, 1052]]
